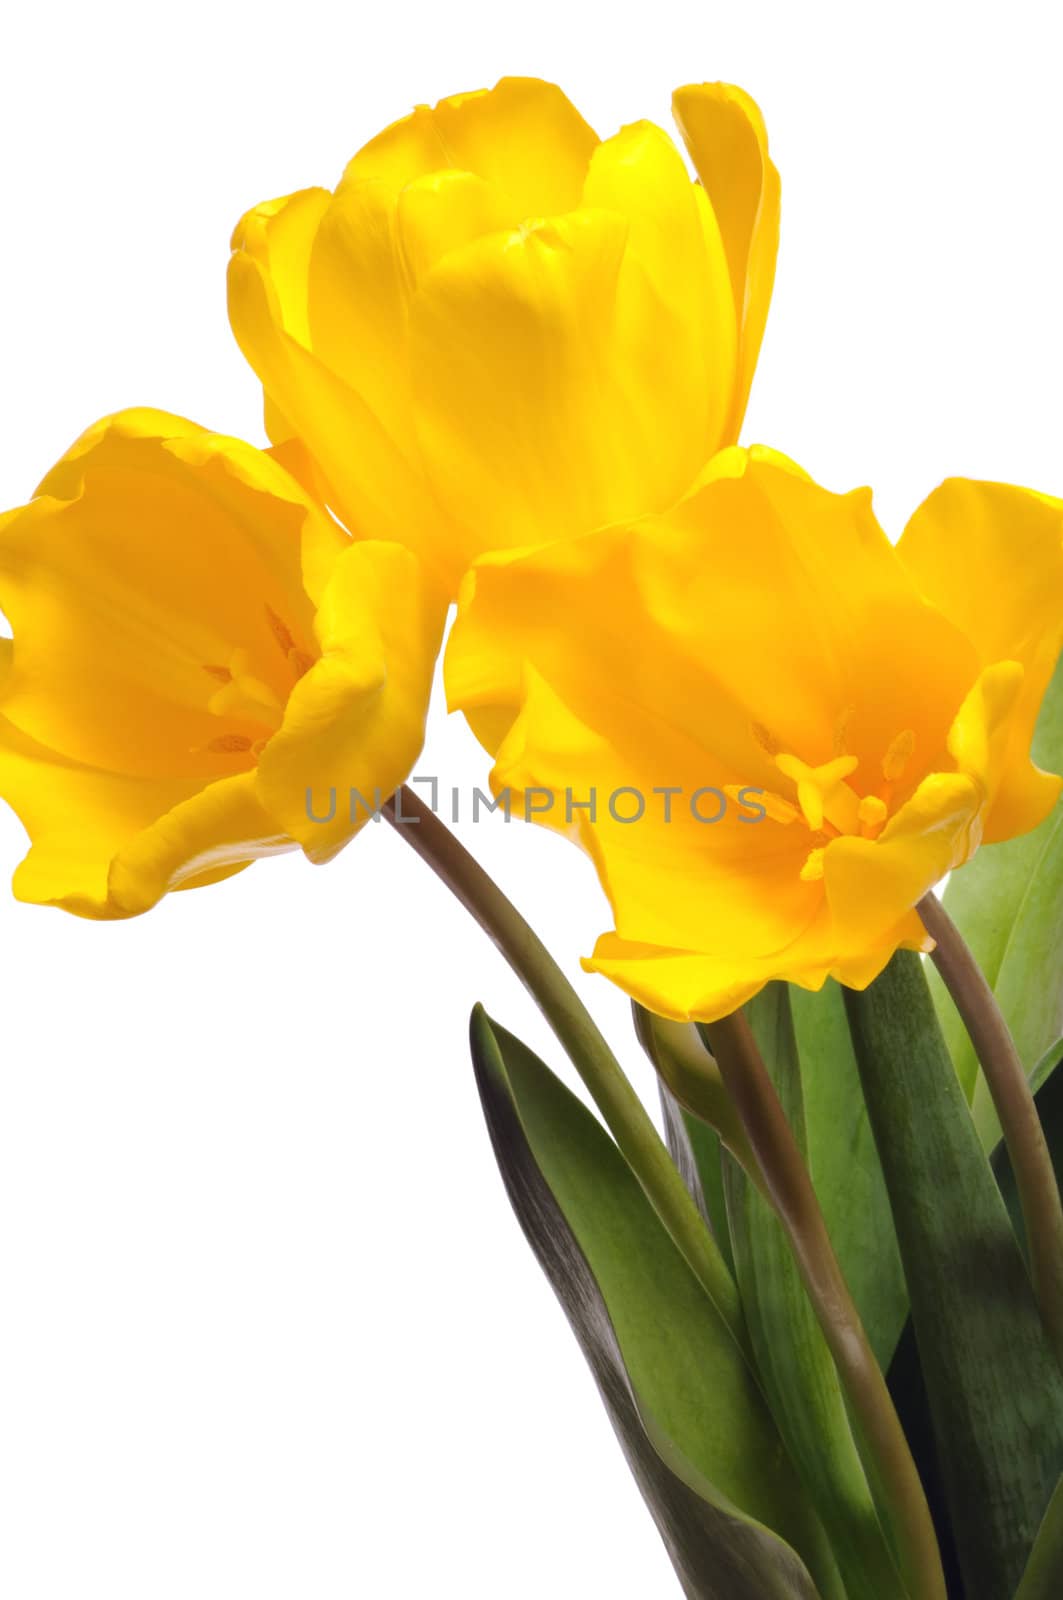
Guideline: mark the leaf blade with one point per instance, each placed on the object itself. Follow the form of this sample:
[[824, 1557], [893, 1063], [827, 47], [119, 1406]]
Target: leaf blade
[[614, 1269], [996, 1393], [796, 1366]]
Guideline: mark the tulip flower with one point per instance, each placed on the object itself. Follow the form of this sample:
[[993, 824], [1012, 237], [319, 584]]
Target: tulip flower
[[500, 330], [197, 647], [840, 722]]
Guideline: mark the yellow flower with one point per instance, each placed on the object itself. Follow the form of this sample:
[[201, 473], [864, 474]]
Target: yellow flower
[[857, 717], [196, 647], [500, 330]]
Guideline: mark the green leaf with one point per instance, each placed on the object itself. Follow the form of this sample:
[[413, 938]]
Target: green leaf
[[1006, 903], [995, 1390], [845, 1167], [793, 1359], [685, 1406], [697, 1151], [1043, 1578]]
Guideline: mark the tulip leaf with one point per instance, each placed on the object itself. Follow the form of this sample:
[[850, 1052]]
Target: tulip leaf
[[845, 1166], [793, 1359], [995, 1390], [697, 1151], [1006, 903], [1043, 1578], [680, 1394]]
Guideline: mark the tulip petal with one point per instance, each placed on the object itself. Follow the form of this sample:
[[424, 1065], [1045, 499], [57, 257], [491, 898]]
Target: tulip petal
[[153, 552], [355, 723], [812, 658], [443, 211], [524, 136], [105, 845], [545, 406], [674, 248], [358, 298], [223, 826], [990, 557], [872, 885], [373, 486], [725, 134], [657, 655]]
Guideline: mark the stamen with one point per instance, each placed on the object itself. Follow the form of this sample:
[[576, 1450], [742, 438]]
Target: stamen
[[219, 674], [300, 662], [778, 809], [767, 741], [872, 813], [229, 744], [281, 632], [812, 871], [898, 756], [841, 730]]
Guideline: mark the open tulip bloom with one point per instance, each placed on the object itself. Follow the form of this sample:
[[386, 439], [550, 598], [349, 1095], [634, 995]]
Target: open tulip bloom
[[505, 366]]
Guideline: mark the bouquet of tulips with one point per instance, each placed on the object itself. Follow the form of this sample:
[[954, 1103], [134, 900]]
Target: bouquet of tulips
[[505, 367]]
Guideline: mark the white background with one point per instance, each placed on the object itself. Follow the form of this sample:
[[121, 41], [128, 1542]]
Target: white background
[[268, 1326]]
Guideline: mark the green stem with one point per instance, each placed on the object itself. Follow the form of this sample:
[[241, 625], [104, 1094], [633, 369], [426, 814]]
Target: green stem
[[623, 1111], [886, 1448], [1035, 1178]]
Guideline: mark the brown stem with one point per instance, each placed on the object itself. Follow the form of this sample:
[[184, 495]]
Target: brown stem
[[1035, 1179], [886, 1449], [623, 1111]]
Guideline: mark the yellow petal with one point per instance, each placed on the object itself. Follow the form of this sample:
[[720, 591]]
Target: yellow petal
[[374, 486], [523, 136], [222, 826], [990, 557], [762, 633], [980, 737], [724, 132], [443, 211], [873, 884], [354, 724], [153, 552], [358, 298], [685, 984], [676, 612], [106, 845], [280, 235], [640, 174], [544, 406]]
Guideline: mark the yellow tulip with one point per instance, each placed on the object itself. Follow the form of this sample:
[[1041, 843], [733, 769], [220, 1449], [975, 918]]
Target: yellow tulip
[[196, 646], [857, 717], [500, 330]]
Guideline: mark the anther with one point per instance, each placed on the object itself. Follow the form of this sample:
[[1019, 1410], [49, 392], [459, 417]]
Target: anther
[[898, 756], [229, 744], [812, 871], [872, 813]]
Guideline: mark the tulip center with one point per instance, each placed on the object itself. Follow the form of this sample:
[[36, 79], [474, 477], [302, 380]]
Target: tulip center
[[243, 694], [828, 803]]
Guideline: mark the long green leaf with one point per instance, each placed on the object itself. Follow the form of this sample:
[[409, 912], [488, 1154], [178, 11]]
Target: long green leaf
[[793, 1359], [1043, 1578], [697, 1151], [995, 1390], [1006, 903], [694, 1426], [845, 1166]]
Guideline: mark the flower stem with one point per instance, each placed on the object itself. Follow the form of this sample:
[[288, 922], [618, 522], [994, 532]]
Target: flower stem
[[623, 1111], [1035, 1179], [886, 1451]]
